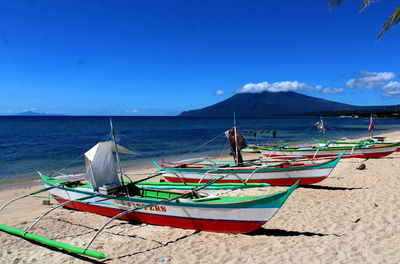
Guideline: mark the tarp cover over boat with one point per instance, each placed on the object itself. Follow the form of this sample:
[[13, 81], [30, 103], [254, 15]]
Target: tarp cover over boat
[[100, 164], [236, 142]]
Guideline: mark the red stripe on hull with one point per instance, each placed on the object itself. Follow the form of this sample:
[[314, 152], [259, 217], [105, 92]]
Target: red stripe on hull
[[272, 182], [179, 222], [345, 156]]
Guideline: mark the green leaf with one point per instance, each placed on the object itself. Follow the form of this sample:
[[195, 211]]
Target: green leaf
[[365, 4], [393, 20], [335, 3]]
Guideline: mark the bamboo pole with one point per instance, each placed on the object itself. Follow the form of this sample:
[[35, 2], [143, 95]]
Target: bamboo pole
[[116, 152], [194, 190], [52, 243]]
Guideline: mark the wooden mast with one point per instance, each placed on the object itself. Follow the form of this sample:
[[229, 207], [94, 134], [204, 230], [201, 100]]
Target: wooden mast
[[236, 145], [116, 152], [371, 126], [323, 129]]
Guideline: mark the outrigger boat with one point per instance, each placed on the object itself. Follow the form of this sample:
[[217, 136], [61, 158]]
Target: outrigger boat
[[351, 151], [375, 141], [280, 173], [108, 195], [252, 148], [247, 172], [373, 147], [372, 141], [190, 210]]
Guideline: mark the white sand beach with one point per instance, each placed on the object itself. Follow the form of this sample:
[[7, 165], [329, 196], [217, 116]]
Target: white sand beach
[[351, 217]]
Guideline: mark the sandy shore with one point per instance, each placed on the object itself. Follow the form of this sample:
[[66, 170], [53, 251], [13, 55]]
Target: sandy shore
[[351, 217]]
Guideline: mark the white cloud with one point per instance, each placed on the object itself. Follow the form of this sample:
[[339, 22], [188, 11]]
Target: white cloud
[[392, 89], [29, 109], [332, 90], [219, 92], [370, 80], [143, 112], [286, 86], [7, 112]]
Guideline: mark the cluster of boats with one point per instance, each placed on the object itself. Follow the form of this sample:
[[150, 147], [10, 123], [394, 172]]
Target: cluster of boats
[[108, 191]]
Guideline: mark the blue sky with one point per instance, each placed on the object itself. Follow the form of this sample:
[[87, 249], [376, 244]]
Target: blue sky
[[164, 57]]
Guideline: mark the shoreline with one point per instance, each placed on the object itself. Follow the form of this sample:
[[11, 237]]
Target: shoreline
[[20, 184], [146, 164], [353, 216]]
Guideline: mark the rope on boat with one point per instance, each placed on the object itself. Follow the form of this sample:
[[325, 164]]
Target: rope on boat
[[105, 138], [139, 143], [222, 150], [199, 147], [150, 177]]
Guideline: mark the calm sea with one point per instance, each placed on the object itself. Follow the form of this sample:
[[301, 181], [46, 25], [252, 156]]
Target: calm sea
[[28, 144]]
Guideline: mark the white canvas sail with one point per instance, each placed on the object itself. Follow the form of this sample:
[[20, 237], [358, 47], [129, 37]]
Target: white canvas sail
[[100, 164]]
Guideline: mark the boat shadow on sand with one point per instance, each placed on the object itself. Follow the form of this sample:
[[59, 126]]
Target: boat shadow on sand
[[330, 188], [282, 233]]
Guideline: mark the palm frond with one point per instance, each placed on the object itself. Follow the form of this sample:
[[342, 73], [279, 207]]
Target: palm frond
[[365, 4], [335, 3], [393, 20]]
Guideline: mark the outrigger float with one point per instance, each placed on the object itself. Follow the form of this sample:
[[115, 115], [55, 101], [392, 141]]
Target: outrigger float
[[110, 196]]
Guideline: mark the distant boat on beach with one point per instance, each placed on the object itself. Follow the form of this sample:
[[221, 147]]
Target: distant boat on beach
[[281, 173], [351, 151]]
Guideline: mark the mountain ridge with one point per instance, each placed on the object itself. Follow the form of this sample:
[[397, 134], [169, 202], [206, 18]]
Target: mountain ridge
[[281, 104]]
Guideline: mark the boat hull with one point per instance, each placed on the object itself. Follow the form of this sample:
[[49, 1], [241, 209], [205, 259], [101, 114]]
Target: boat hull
[[363, 153], [282, 175], [238, 215], [211, 225], [353, 143]]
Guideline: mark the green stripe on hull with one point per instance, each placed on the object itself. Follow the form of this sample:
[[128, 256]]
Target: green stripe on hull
[[188, 186], [328, 148], [329, 164], [263, 201]]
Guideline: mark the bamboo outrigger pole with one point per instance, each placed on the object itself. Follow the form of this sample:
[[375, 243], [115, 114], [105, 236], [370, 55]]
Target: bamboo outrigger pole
[[193, 191], [30, 194], [323, 129], [56, 244], [58, 206]]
